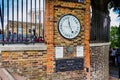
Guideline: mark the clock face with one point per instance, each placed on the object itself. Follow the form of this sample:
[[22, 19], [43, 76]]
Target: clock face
[[69, 26]]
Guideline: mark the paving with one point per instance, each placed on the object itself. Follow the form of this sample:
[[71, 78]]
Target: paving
[[3, 76], [6, 75], [113, 78], [114, 73]]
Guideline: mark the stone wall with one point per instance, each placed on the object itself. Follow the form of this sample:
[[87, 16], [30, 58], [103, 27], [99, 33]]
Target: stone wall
[[99, 62], [32, 64]]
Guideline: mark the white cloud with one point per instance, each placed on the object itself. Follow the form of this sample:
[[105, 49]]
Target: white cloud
[[114, 18]]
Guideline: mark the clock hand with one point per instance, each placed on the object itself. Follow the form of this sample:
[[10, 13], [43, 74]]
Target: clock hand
[[69, 25]]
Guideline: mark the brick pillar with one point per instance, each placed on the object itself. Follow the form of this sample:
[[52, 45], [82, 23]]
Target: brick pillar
[[87, 37], [49, 35], [50, 17]]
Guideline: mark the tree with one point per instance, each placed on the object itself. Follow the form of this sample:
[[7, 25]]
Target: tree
[[116, 5], [119, 35], [100, 21], [114, 36]]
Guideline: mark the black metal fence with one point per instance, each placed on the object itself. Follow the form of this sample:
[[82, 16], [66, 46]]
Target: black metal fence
[[100, 27], [21, 21]]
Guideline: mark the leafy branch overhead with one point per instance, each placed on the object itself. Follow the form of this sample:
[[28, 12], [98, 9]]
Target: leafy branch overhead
[[115, 36]]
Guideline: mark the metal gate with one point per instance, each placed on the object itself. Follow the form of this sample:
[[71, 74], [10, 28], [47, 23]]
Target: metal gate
[[22, 21]]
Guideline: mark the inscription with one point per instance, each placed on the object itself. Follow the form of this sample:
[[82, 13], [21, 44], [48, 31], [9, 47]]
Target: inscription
[[73, 0], [69, 64]]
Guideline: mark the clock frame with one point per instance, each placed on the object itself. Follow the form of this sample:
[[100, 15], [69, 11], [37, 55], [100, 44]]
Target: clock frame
[[71, 24]]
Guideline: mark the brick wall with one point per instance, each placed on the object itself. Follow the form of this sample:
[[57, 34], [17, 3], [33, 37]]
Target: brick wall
[[100, 62], [54, 10], [30, 63], [42, 62]]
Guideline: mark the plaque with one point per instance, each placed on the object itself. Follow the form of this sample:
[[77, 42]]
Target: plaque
[[69, 64], [58, 52], [80, 51], [69, 49], [73, 0]]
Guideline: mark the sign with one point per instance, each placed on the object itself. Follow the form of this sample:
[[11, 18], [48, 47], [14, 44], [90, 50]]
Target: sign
[[69, 64], [80, 51], [73, 0], [58, 52]]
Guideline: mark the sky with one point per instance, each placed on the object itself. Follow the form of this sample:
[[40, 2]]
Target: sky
[[114, 19]]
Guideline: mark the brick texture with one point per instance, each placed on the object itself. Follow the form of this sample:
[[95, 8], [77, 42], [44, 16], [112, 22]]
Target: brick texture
[[74, 75], [42, 63], [30, 64], [54, 10]]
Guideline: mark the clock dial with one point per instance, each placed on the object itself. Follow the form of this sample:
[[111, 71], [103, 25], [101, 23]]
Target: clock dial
[[69, 26]]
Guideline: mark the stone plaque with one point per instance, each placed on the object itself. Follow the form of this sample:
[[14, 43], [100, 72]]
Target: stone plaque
[[80, 51], [69, 64], [69, 49], [58, 52], [73, 0]]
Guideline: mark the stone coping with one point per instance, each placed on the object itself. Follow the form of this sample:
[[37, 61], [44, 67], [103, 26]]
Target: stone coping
[[36, 46], [99, 44], [22, 47]]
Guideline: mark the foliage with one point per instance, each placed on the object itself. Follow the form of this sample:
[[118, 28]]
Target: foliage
[[115, 36], [116, 5], [119, 35], [39, 78]]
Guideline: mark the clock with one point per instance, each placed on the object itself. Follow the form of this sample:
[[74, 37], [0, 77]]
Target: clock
[[69, 26]]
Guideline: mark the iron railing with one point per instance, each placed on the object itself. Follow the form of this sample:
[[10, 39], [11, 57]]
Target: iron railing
[[100, 27], [21, 21]]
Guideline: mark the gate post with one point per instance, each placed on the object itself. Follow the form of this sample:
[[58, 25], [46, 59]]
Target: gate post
[[48, 30], [62, 51]]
